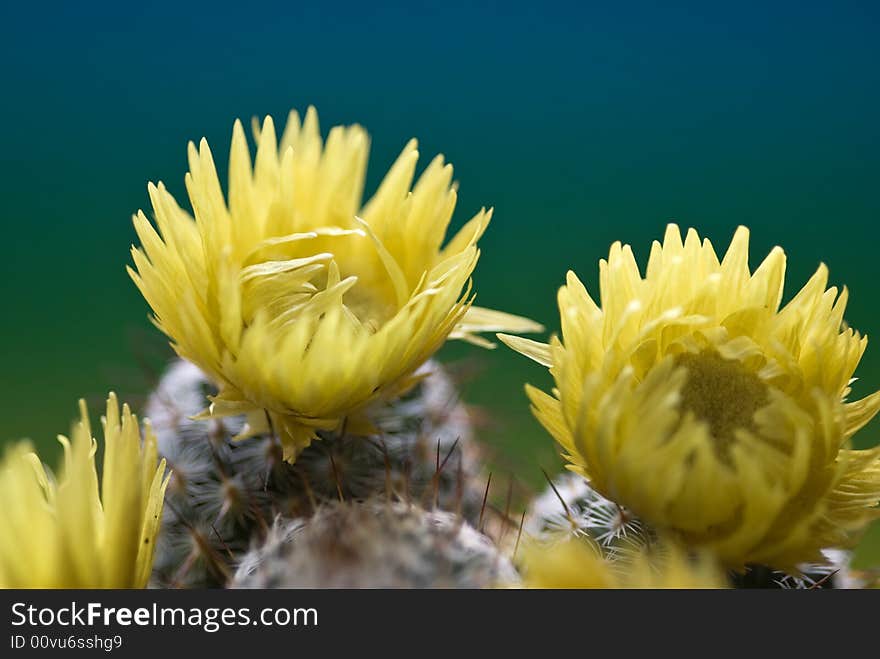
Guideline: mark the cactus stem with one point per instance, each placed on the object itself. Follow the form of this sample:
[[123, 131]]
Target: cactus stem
[[231, 492]]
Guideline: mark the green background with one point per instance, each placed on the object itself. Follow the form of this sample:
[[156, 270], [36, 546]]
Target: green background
[[580, 123]]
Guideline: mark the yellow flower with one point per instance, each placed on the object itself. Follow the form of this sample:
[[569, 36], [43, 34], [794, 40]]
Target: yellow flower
[[301, 305], [692, 399], [576, 563], [64, 534]]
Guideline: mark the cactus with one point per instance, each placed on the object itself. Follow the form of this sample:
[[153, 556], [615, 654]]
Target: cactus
[[224, 493], [375, 544]]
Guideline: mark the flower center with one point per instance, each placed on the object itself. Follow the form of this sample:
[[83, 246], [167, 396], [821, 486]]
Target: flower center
[[287, 277], [722, 393]]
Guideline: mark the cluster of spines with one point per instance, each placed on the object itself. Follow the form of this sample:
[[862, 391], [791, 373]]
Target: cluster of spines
[[570, 506], [834, 572]]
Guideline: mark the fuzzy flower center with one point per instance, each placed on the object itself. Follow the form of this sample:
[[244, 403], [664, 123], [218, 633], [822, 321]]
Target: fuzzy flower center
[[722, 393]]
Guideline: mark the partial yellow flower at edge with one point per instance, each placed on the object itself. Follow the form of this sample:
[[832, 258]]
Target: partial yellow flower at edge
[[690, 397], [71, 532], [302, 305], [576, 563], [565, 564]]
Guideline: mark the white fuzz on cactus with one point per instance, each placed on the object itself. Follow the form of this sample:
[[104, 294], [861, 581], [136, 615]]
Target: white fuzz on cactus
[[375, 544], [225, 493], [570, 506]]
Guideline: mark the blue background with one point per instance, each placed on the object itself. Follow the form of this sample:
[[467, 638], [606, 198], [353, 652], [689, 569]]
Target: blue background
[[582, 123]]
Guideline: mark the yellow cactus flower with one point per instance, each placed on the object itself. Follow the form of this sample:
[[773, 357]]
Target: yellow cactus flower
[[691, 398], [66, 533], [303, 306], [576, 563]]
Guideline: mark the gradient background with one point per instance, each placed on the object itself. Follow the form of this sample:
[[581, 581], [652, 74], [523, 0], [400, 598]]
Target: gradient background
[[581, 124]]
